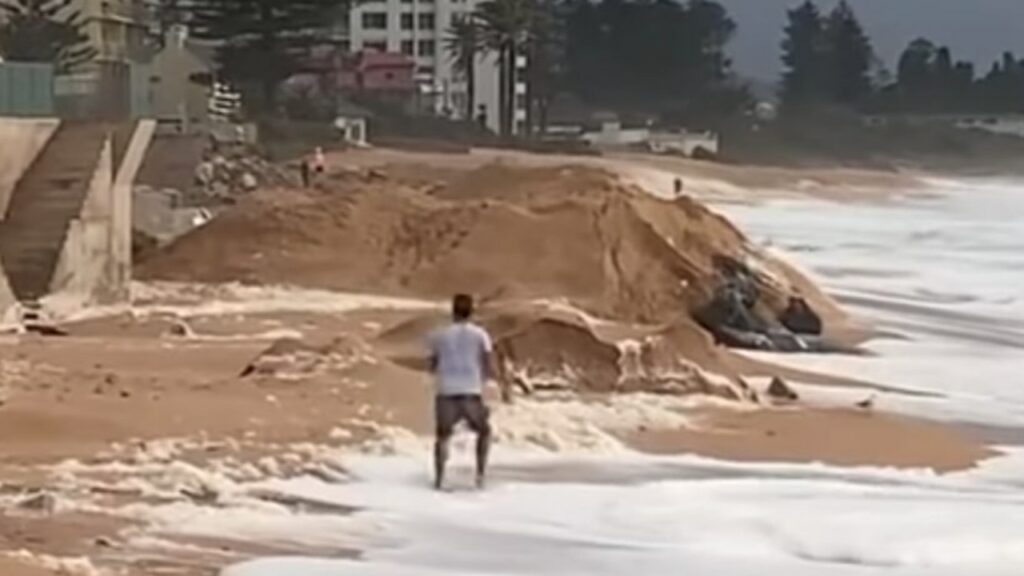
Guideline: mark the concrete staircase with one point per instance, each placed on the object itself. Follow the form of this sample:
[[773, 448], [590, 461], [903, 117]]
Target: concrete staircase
[[48, 197]]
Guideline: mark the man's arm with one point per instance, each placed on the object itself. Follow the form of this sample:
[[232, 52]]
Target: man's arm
[[432, 360], [493, 370]]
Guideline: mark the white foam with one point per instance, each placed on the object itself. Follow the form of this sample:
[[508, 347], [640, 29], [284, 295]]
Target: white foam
[[651, 516], [188, 300], [946, 274], [57, 565]]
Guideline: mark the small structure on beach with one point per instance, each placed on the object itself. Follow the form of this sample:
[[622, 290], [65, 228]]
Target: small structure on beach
[[351, 122]]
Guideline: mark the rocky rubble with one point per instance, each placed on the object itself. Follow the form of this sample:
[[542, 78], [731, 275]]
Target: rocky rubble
[[224, 176]]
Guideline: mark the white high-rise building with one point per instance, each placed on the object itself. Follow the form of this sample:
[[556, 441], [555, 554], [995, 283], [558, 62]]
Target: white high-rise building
[[418, 28]]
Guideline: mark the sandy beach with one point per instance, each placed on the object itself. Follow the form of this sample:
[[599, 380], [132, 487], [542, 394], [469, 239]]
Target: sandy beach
[[266, 398]]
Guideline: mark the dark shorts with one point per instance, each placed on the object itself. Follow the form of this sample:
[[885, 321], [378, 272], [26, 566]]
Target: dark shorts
[[450, 410]]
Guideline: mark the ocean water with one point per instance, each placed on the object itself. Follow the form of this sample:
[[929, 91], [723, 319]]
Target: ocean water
[[942, 277], [664, 516]]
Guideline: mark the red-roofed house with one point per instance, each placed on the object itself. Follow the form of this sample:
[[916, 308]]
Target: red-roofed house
[[371, 71]]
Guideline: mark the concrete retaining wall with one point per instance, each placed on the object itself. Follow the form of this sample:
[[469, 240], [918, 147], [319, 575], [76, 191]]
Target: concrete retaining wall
[[81, 273], [21, 140], [7, 300], [95, 264], [124, 184]]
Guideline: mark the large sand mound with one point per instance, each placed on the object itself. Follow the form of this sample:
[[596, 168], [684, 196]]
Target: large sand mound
[[499, 232]]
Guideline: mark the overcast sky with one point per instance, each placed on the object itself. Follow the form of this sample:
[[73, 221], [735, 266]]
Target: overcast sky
[[976, 30]]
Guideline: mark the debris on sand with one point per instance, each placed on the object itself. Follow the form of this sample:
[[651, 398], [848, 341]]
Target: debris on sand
[[779, 390], [867, 403], [295, 359], [41, 502], [737, 315], [181, 329]]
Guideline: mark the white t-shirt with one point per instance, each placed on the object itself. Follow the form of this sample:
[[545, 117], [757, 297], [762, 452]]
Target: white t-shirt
[[460, 350]]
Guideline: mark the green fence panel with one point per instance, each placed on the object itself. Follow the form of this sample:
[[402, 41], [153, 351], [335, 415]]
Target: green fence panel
[[141, 91], [26, 89]]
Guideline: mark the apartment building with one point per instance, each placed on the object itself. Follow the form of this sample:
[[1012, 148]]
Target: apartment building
[[116, 28], [418, 28]]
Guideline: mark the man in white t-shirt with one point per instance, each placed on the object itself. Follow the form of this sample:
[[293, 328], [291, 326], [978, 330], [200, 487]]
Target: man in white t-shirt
[[461, 361]]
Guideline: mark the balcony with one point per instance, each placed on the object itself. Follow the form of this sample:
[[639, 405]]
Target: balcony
[[126, 12]]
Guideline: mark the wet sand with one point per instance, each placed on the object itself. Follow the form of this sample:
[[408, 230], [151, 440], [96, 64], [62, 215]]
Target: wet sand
[[123, 382], [837, 437]]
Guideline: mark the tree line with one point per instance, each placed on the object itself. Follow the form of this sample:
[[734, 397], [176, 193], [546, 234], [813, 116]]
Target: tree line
[[49, 31], [664, 59], [829, 61], [656, 57]]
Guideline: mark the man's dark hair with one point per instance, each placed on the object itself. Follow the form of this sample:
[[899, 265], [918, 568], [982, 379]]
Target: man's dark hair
[[462, 306]]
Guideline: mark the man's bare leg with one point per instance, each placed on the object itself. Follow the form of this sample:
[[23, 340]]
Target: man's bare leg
[[440, 460], [483, 449]]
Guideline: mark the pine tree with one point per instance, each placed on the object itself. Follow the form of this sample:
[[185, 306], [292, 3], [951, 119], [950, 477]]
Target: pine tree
[[803, 51], [48, 31], [914, 75], [849, 57], [262, 41]]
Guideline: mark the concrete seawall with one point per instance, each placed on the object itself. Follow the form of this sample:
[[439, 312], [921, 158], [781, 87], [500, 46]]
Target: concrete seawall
[[21, 140], [6, 297], [95, 263], [94, 266]]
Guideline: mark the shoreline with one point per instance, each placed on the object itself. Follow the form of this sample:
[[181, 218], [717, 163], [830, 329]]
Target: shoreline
[[74, 411]]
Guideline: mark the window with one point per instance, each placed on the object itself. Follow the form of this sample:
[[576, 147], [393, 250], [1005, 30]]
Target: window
[[426, 21], [520, 101], [375, 20], [379, 46], [407, 47], [407, 21], [426, 47]]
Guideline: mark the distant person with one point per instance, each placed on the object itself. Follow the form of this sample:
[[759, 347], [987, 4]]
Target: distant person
[[678, 187], [481, 117], [304, 172], [319, 161], [461, 360]]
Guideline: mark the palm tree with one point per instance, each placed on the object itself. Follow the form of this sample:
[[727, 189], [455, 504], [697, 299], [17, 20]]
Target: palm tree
[[505, 26], [463, 43], [43, 31], [545, 50]]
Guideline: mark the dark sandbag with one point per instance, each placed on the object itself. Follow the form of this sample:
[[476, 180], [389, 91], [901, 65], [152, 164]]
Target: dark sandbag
[[800, 318]]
